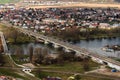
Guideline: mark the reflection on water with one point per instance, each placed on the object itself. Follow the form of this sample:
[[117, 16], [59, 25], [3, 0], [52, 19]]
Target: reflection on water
[[97, 44], [25, 47]]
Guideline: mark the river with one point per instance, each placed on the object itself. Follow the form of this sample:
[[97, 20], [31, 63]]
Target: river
[[96, 45], [93, 45]]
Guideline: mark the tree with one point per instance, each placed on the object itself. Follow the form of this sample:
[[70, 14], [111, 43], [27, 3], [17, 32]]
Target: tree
[[31, 53], [37, 56], [66, 56], [1, 60], [86, 65], [77, 77], [14, 34], [47, 60], [19, 52]]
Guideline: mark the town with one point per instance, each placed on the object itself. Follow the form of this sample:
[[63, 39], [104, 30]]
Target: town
[[55, 21], [59, 43]]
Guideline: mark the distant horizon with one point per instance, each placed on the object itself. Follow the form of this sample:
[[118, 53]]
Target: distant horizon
[[87, 1]]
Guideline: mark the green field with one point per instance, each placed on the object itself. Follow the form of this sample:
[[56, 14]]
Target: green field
[[8, 1]]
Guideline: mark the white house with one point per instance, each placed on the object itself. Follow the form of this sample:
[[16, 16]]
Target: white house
[[26, 70]]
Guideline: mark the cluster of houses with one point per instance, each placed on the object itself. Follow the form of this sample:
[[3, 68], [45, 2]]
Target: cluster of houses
[[38, 2], [7, 6], [60, 19], [101, 25], [52, 2], [7, 78], [47, 2], [3, 78]]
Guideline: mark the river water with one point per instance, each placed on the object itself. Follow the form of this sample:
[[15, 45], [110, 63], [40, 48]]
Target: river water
[[93, 45], [96, 45]]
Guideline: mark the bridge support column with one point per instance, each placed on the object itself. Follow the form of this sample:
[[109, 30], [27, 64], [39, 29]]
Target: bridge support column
[[56, 46], [78, 54], [97, 60], [67, 50], [46, 42]]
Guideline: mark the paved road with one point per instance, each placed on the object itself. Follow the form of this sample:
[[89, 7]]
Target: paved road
[[3, 42]]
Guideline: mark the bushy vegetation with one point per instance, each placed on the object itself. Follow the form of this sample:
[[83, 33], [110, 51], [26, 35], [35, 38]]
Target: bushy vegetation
[[14, 37], [77, 34], [1, 46], [2, 62]]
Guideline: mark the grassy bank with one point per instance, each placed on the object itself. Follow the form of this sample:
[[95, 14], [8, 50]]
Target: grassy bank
[[11, 72], [43, 74], [72, 66], [18, 61]]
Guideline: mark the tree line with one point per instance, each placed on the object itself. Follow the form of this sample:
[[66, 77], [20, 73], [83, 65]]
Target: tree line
[[76, 34]]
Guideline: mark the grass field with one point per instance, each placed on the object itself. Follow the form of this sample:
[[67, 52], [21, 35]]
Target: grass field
[[12, 73], [43, 74], [8, 1]]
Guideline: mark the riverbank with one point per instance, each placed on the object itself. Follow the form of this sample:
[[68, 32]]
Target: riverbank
[[75, 35]]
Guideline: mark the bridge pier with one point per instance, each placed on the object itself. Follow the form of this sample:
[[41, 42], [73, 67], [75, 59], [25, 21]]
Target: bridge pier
[[78, 53], [56, 46], [46, 42], [67, 50], [97, 60]]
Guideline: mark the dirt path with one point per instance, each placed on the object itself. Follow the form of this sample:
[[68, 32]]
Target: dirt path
[[80, 4]]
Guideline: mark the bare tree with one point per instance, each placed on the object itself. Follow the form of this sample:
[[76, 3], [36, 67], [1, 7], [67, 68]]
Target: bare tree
[[19, 52], [1, 60], [86, 65], [31, 53], [38, 56]]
